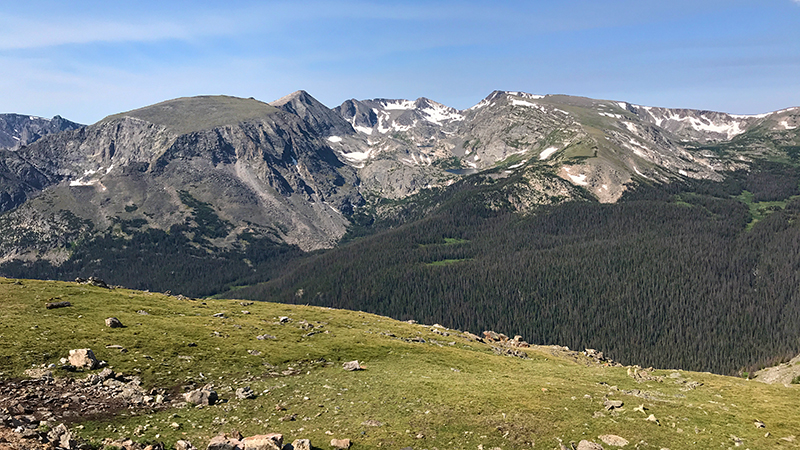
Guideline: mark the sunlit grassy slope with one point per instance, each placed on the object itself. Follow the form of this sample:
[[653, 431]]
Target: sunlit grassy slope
[[447, 392], [189, 114]]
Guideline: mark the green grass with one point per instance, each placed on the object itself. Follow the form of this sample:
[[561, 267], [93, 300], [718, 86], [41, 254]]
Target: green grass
[[759, 210], [190, 114], [447, 262], [455, 392]]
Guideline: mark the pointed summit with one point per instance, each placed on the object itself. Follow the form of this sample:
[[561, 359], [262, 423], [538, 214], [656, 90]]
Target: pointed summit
[[319, 117]]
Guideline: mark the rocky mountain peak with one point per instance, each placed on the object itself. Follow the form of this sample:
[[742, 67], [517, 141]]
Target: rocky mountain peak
[[319, 117], [17, 130]]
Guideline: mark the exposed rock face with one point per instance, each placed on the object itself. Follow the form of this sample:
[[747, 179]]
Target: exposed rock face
[[785, 373], [17, 130], [295, 171]]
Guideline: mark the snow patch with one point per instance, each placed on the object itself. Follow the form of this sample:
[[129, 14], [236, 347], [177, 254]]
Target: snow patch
[[397, 104], [82, 182], [437, 113], [365, 130], [786, 126], [579, 179], [480, 104], [546, 153], [683, 172], [357, 156], [515, 102], [616, 116], [518, 165], [334, 139], [640, 173], [623, 105], [631, 127], [525, 95]]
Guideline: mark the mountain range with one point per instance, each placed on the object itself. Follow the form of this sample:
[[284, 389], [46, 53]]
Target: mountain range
[[296, 170], [204, 194]]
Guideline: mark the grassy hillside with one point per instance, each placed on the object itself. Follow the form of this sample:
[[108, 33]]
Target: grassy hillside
[[428, 387]]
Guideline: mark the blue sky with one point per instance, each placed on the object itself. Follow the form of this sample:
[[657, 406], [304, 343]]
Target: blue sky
[[85, 60]]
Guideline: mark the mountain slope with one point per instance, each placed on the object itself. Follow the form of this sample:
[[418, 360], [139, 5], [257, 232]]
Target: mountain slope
[[17, 130], [421, 385]]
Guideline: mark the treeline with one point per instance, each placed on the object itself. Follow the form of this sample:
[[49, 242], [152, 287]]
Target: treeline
[[668, 277], [162, 261]]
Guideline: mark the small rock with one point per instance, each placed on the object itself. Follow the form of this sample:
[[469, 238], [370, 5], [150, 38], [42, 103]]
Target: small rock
[[759, 424], [613, 440], [283, 319], [113, 322], [265, 336], [301, 444], [588, 445], [82, 358], [340, 443], [38, 373], [202, 396], [54, 305], [245, 393], [652, 418], [372, 423], [223, 442], [352, 366], [184, 445], [612, 404], [219, 315], [272, 441]]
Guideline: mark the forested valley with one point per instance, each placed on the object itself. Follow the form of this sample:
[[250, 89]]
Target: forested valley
[[696, 275]]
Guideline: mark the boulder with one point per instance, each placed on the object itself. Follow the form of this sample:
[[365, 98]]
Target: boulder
[[301, 444], [202, 396], [272, 441], [352, 366], [340, 443], [223, 442], [82, 358], [588, 445], [62, 437], [113, 322], [245, 393], [184, 445], [613, 440]]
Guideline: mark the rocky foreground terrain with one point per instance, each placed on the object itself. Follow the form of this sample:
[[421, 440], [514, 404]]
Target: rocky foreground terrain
[[124, 369]]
